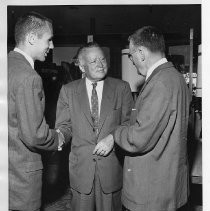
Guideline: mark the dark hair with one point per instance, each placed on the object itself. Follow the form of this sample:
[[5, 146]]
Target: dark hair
[[30, 22], [149, 37], [83, 48]]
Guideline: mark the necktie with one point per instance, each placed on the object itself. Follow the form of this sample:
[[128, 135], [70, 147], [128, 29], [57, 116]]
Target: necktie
[[94, 104]]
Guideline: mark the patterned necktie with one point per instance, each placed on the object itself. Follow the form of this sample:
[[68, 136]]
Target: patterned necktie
[[94, 104]]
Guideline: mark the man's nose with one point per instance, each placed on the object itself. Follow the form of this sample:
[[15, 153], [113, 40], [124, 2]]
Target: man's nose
[[51, 45], [99, 63]]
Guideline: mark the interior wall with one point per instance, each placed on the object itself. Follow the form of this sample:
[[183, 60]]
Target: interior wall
[[67, 53], [181, 50]]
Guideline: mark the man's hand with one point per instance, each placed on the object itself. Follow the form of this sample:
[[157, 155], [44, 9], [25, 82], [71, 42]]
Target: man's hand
[[104, 147]]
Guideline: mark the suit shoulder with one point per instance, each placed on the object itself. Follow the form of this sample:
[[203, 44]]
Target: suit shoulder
[[18, 65], [20, 72], [118, 82], [72, 84], [119, 85], [171, 75], [171, 79]]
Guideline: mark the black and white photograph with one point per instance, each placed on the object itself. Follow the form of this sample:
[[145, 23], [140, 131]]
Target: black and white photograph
[[102, 106]]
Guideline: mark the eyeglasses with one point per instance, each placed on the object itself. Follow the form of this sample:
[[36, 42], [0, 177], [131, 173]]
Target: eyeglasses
[[130, 55], [95, 61]]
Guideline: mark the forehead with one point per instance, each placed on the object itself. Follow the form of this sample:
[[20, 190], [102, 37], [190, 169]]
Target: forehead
[[94, 52], [131, 45]]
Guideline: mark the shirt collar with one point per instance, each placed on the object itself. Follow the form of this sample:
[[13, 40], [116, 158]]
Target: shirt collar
[[89, 82], [28, 58], [154, 66]]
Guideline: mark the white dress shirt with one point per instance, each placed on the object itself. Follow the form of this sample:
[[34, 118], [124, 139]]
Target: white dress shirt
[[99, 89]]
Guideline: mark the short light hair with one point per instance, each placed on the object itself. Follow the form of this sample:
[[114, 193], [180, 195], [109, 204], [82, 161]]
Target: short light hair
[[30, 22], [82, 50], [149, 37]]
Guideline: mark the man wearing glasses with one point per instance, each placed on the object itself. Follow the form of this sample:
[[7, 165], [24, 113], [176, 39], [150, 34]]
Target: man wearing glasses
[[88, 110], [155, 170]]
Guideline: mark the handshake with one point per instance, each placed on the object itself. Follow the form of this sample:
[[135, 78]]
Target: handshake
[[103, 148]]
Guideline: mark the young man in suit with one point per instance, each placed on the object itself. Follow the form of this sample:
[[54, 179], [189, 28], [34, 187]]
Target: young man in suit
[[156, 169], [88, 110], [29, 135]]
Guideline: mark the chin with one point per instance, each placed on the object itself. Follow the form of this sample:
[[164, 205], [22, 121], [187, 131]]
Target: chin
[[41, 59], [102, 73], [102, 77]]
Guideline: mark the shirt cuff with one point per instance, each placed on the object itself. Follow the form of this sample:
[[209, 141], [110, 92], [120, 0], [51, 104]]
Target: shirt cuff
[[61, 140]]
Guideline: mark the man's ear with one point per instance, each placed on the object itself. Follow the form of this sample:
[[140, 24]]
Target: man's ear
[[143, 52], [31, 38], [81, 67]]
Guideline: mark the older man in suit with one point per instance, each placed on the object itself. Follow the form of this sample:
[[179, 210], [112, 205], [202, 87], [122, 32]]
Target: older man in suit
[[156, 168], [88, 110], [29, 135]]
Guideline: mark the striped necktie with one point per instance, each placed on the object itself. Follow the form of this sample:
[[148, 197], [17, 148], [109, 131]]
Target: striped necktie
[[94, 104]]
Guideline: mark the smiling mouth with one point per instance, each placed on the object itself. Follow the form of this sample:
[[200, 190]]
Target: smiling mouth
[[100, 70], [46, 52]]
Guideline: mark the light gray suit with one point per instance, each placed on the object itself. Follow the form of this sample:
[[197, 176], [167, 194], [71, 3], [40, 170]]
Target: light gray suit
[[156, 170], [29, 134], [74, 120]]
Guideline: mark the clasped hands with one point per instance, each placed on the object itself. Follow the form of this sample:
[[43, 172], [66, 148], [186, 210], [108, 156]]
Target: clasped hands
[[104, 147]]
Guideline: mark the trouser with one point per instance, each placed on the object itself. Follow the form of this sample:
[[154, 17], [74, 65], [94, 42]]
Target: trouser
[[97, 199], [183, 208]]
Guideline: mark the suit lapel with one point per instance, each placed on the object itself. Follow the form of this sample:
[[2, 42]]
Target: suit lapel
[[107, 101], [83, 100]]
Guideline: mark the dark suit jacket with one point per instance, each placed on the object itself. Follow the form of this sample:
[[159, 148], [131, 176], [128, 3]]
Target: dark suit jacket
[[156, 173], [74, 120], [28, 134]]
